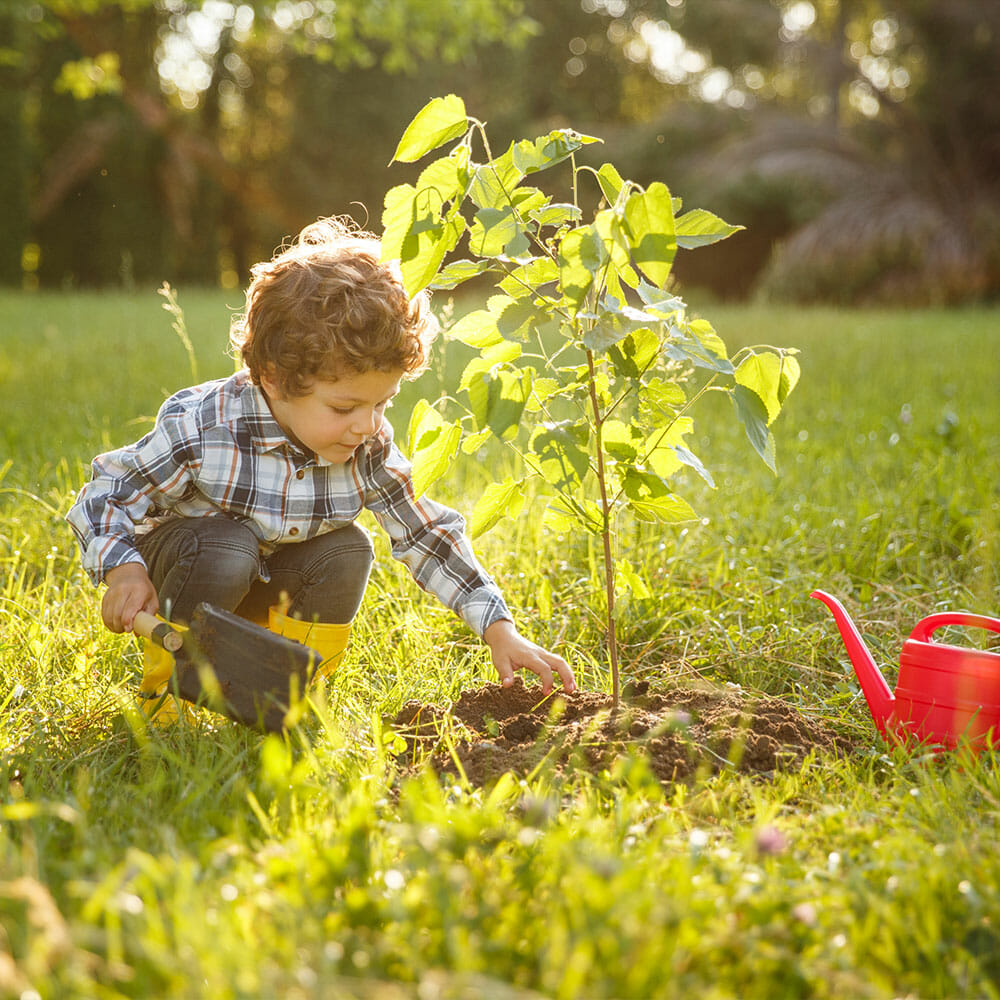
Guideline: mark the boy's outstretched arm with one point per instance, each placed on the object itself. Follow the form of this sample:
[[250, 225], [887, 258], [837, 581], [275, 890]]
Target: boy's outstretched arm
[[511, 651]]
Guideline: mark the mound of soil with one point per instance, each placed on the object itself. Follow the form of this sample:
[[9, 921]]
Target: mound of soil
[[682, 731]]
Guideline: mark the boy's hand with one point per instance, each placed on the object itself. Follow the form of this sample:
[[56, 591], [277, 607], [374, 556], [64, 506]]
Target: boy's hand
[[130, 590], [511, 651]]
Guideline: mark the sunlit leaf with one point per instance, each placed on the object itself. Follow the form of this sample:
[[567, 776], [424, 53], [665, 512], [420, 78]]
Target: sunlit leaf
[[752, 413], [494, 182], [633, 354], [771, 376], [634, 584], [458, 271], [530, 278], [621, 441], [690, 459], [508, 393], [699, 228], [478, 329], [557, 214], [499, 500], [649, 220], [611, 182], [582, 255], [705, 334], [492, 229], [562, 461], [438, 121], [564, 513]]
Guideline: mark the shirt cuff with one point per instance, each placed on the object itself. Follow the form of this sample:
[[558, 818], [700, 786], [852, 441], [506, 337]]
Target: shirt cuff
[[482, 608], [104, 555]]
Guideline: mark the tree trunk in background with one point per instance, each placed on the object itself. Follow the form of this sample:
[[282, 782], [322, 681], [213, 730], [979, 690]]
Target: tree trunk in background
[[14, 176]]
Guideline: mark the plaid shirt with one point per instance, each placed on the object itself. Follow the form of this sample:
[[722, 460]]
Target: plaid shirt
[[216, 449]]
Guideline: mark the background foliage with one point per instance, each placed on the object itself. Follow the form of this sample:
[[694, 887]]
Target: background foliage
[[857, 140]]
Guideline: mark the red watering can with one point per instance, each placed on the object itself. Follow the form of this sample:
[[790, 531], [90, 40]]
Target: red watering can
[[945, 694]]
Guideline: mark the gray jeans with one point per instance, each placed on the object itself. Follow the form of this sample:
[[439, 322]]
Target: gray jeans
[[218, 560]]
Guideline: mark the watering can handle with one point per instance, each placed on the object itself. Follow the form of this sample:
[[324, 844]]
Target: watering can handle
[[930, 624]]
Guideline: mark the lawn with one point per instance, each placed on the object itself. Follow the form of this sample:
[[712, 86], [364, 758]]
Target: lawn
[[210, 861]]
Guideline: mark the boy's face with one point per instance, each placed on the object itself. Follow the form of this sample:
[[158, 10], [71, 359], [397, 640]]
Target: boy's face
[[334, 417]]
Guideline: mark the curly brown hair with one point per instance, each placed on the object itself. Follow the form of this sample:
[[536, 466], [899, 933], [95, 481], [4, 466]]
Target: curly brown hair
[[327, 305]]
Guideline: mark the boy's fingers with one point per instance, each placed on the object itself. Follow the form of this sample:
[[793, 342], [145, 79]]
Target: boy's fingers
[[558, 666]]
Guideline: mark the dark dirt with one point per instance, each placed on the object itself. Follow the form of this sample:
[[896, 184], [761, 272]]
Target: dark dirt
[[682, 732]]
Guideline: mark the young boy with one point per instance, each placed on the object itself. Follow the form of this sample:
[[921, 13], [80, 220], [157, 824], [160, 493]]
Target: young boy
[[246, 491]]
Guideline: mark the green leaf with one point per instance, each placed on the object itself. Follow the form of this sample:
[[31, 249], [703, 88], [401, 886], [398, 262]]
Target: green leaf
[[771, 376], [699, 228], [548, 150], [660, 454], [478, 329], [415, 235], [432, 443], [671, 509], [508, 393], [662, 397], [649, 221], [690, 459], [530, 278], [563, 513], [541, 390], [611, 182], [752, 413], [518, 319], [499, 500], [432, 462], [650, 499], [557, 214], [458, 271], [418, 414], [438, 121], [621, 441], [561, 461], [615, 323], [443, 181], [582, 255], [494, 182], [680, 347], [705, 334], [633, 355], [474, 442], [634, 584], [492, 229], [657, 301], [789, 377]]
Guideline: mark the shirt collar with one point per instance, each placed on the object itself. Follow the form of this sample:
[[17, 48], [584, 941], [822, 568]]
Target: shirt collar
[[265, 431]]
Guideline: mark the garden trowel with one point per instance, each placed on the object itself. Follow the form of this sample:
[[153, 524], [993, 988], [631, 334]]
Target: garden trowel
[[232, 666]]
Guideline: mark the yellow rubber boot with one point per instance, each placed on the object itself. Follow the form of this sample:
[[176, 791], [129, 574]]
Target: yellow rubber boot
[[155, 702], [328, 639]]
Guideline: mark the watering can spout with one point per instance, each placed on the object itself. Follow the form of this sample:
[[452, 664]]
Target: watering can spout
[[877, 692]]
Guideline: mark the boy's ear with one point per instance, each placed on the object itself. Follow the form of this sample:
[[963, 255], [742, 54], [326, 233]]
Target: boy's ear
[[269, 384]]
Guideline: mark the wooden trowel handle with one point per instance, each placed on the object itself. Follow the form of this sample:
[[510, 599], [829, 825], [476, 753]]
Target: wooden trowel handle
[[150, 627]]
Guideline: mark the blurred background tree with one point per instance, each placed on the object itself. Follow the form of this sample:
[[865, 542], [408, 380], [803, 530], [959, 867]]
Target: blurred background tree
[[857, 140]]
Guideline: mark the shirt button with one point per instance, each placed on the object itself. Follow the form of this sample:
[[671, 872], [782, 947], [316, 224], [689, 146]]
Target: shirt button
[[293, 531], [301, 474]]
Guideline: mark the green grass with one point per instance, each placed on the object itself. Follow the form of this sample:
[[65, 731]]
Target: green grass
[[212, 862]]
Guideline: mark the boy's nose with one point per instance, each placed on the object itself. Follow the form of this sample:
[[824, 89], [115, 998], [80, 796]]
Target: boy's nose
[[364, 423]]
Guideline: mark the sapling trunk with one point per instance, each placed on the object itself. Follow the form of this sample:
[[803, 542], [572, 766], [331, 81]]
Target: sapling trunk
[[606, 514]]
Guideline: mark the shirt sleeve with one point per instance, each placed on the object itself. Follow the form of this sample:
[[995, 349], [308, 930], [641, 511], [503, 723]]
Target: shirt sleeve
[[130, 484], [429, 538]]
